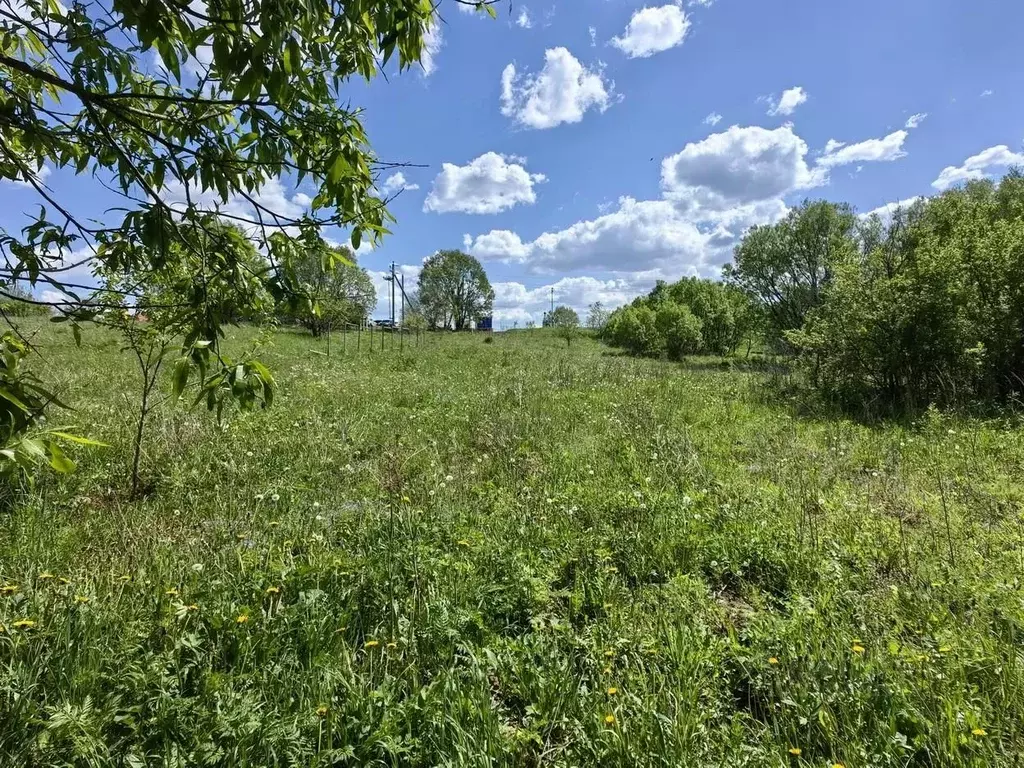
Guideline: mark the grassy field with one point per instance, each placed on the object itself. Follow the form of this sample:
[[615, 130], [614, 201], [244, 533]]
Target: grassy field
[[511, 553]]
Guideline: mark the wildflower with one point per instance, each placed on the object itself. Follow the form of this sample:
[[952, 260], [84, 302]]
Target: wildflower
[[275, 498], [23, 624], [371, 644], [857, 648], [192, 607], [795, 751], [126, 577], [609, 718], [612, 691], [838, 765], [242, 618], [171, 592], [45, 576], [274, 523], [322, 710], [463, 542], [8, 589], [980, 732], [448, 478], [81, 599], [773, 660], [392, 645], [316, 505], [259, 497], [607, 670], [945, 649], [609, 653], [405, 500], [273, 590]]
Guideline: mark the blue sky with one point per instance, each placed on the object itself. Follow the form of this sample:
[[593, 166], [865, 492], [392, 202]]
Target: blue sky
[[628, 143]]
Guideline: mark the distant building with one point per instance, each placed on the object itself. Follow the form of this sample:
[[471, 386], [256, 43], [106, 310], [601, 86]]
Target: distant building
[[485, 323]]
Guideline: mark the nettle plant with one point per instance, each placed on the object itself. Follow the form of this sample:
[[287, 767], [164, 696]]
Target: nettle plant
[[179, 109]]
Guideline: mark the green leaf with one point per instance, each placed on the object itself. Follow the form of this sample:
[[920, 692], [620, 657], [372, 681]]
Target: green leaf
[[59, 461], [77, 439], [179, 377]]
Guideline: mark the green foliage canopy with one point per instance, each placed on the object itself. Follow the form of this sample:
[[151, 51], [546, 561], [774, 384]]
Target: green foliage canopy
[[454, 290]]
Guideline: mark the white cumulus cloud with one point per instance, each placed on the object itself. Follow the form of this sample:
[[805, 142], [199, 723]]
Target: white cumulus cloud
[[433, 40], [788, 102], [489, 184], [562, 92], [652, 30], [640, 235], [713, 119], [396, 182], [515, 303], [885, 149], [975, 166], [915, 120], [741, 165], [523, 19]]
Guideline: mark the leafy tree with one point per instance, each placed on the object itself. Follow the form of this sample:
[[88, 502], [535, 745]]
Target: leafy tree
[[786, 267], [680, 329], [597, 316], [151, 312], [565, 321], [692, 316], [246, 92], [454, 290], [337, 291], [932, 311], [561, 316]]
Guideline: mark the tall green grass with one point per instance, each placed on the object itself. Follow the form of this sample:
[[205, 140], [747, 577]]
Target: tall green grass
[[516, 553]]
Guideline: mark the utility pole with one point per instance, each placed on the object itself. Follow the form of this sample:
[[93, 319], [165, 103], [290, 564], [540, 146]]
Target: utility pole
[[401, 285], [552, 298], [392, 295]]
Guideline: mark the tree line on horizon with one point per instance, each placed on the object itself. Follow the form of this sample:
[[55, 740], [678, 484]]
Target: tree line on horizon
[[924, 306]]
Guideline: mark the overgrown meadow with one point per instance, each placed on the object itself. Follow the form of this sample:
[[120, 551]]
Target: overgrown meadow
[[510, 553]]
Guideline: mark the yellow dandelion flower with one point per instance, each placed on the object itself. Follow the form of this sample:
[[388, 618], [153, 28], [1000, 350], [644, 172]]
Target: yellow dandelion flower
[[463, 543], [339, 630], [795, 751], [8, 589], [23, 624], [273, 590], [274, 523], [838, 765], [980, 732], [607, 670], [64, 581], [945, 649], [126, 577], [322, 710], [405, 500], [609, 653], [371, 643], [773, 660], [45, 576], [81, 599], [242, 618], [609, 718], [857, 648], [172, 592], [612, 691]]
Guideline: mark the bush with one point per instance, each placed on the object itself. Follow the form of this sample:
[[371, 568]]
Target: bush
[[930, 311], [692, 316], [680, 329]]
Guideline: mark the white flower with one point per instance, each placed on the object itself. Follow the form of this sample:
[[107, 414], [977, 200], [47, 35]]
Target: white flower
[[448, 478], [276, 497], [197, 567], [259, 497], [316, 505]]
